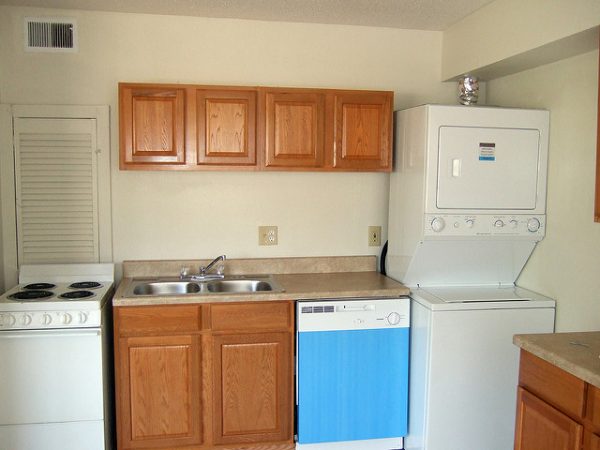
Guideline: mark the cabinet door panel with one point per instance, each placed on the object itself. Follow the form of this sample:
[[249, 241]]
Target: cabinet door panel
[[540, 426], [226, 127], [253, 398], [159, 383], [591, 441], [294, 129], [152, 125], [362, 127]]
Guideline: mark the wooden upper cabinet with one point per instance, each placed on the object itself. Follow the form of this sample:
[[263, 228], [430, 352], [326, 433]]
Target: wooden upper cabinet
[[226, 127], [363, 131], [193, 127], [294, 129], [152, 125]]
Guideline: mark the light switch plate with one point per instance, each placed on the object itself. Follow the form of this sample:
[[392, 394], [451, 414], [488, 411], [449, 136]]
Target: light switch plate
[[374, 236]]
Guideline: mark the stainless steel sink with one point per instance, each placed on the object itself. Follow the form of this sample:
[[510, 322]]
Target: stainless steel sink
[[166, 288], [235, 286], [228, 285]]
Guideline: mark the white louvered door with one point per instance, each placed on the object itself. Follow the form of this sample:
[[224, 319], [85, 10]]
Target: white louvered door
[[56, 189]]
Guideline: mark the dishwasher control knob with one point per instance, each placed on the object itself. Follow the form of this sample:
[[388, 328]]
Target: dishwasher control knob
[[393, 318], [533, 225], [437, 224]]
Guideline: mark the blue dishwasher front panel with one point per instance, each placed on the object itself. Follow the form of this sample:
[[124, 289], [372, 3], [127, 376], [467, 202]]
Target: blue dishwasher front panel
[[352, 384]]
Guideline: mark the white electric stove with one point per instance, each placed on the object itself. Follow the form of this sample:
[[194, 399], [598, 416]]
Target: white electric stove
[[55, 331]]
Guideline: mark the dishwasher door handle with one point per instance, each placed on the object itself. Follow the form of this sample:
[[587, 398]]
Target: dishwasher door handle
[[348, 308]]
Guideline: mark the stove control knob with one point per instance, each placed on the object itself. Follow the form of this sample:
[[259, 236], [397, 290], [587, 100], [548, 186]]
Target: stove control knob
[[438, 224], [25, 319], [513, 223], [499, 223], [83, 317], [7, 320], [533, 224], [46, 319], [393, 318], [66, 319], [470, 223]]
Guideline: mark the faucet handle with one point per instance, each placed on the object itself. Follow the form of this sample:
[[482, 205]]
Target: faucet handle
[[183, 272]]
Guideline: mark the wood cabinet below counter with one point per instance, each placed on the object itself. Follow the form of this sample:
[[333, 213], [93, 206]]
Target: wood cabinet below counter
[[555, 409], [194, 127], [205, 376]]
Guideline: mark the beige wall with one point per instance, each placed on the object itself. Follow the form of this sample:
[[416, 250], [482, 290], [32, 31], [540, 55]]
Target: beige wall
[[509, 35], [565, 265], [198, 215]]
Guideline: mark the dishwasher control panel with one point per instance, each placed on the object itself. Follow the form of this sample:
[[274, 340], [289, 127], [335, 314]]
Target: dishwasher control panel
[[353, 314]]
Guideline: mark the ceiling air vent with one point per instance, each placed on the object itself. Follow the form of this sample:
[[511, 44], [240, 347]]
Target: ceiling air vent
[[50, 35]]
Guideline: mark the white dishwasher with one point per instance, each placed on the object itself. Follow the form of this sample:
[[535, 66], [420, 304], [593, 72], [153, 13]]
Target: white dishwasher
[[352, 373]]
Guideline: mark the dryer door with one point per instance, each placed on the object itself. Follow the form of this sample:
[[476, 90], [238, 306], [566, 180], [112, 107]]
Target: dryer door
[[487, 168]]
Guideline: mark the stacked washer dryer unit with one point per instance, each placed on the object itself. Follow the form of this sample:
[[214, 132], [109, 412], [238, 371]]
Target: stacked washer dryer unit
[[467, 207]]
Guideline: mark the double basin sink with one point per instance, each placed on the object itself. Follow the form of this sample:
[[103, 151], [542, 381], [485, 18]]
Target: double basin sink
[[226, 285]]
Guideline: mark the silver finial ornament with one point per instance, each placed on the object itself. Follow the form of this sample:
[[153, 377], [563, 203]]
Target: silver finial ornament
[[468, 90]]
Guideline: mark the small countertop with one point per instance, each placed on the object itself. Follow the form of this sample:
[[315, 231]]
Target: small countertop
[[334, 277], [575, 353]]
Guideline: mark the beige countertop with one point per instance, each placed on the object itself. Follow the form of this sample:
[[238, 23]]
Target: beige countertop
[[575, 353], [333, 277]]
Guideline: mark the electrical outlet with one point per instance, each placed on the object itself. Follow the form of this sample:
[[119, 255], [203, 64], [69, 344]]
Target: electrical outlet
[[374, 236], [267, 235]]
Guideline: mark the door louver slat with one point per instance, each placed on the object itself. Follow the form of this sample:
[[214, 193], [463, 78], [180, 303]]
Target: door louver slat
[[56, 188]]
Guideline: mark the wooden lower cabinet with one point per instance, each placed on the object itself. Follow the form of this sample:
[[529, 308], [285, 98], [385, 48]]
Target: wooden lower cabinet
[[540, 426], [252, 382], [160, 391], [189, 378], [555, 410]]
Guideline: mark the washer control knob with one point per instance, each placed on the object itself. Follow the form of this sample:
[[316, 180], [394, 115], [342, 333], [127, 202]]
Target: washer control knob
[[470, 223], [438, 224], [533, 224], [499, 223], [83, 317], [46, 319], [66, 318], [513, 223], [393, 318]]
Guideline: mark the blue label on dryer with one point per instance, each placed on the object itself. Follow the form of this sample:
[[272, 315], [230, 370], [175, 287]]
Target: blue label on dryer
[[487, 151]]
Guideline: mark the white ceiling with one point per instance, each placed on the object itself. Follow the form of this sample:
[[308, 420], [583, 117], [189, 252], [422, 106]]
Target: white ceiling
[[408, 14]]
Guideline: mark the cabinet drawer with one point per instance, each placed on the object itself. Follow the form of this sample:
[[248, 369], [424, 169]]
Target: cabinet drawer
[[592, 409], [559, 388], [167, 318], [251, 316]]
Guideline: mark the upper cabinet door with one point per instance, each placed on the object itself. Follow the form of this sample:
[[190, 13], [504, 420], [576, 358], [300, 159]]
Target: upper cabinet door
[[294, 129], [152, 121], [226, 127], [363, 131]]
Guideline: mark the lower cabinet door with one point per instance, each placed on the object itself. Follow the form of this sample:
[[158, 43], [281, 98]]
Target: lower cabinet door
[[252, 387], [591, 441], [159, 385], [540, 426]]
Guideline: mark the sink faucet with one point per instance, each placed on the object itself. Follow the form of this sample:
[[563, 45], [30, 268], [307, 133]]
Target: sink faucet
[[218, 263]]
